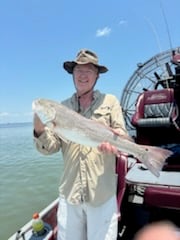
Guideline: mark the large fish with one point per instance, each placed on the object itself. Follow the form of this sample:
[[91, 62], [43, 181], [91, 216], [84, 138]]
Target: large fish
[[69, 125]]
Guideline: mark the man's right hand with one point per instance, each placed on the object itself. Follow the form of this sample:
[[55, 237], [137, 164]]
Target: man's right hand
[[38, 126]]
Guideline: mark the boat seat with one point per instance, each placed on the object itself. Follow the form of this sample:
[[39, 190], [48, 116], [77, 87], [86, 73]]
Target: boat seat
[[155, 108], [121, 170], [162, 197], [156, 112]]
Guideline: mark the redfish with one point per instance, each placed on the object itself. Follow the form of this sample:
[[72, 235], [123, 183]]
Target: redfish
[[71, 126]]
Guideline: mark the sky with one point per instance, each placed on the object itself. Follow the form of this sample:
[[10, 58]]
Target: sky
[[37, 36]]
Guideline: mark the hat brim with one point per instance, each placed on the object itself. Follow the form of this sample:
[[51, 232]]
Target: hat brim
[[69, 66]]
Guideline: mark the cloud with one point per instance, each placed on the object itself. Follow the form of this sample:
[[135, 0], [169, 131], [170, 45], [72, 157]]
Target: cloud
[[4, 114], [6, 117], [28, 113], [122, 22], [103, 32], [15, 114]]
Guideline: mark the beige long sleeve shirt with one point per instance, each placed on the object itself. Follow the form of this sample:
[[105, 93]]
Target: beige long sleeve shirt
[[88, 175]]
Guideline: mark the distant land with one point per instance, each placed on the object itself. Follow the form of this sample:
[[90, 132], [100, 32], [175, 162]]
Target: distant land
[[15, 124]]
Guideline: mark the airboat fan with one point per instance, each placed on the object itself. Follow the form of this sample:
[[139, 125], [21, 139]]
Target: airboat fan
[[161, 71]]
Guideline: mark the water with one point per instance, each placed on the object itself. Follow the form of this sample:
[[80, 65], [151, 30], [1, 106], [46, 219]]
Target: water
[[28, 180]]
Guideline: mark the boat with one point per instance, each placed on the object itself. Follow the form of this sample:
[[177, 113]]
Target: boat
[[151, 104], [48, 215]]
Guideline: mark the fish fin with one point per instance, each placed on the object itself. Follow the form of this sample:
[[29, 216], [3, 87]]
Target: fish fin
[[62, 138], [154, 158]]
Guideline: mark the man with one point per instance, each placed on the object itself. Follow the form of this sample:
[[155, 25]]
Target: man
[[87, 202]]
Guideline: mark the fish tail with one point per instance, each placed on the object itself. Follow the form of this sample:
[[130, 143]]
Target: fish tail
[[154, 158]]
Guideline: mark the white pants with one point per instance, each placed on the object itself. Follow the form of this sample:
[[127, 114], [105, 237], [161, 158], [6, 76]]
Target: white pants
[[84, 222]]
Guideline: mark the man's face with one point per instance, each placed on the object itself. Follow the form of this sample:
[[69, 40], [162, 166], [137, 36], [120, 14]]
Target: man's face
[[84, 77]]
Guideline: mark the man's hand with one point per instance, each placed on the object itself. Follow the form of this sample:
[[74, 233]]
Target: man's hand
[[38, 125], [107, 148]]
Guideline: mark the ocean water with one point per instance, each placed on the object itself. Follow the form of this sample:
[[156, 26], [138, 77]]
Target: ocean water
[[28, 180]]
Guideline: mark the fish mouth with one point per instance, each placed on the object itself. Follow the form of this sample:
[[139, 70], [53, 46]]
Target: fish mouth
[[45, 112]]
